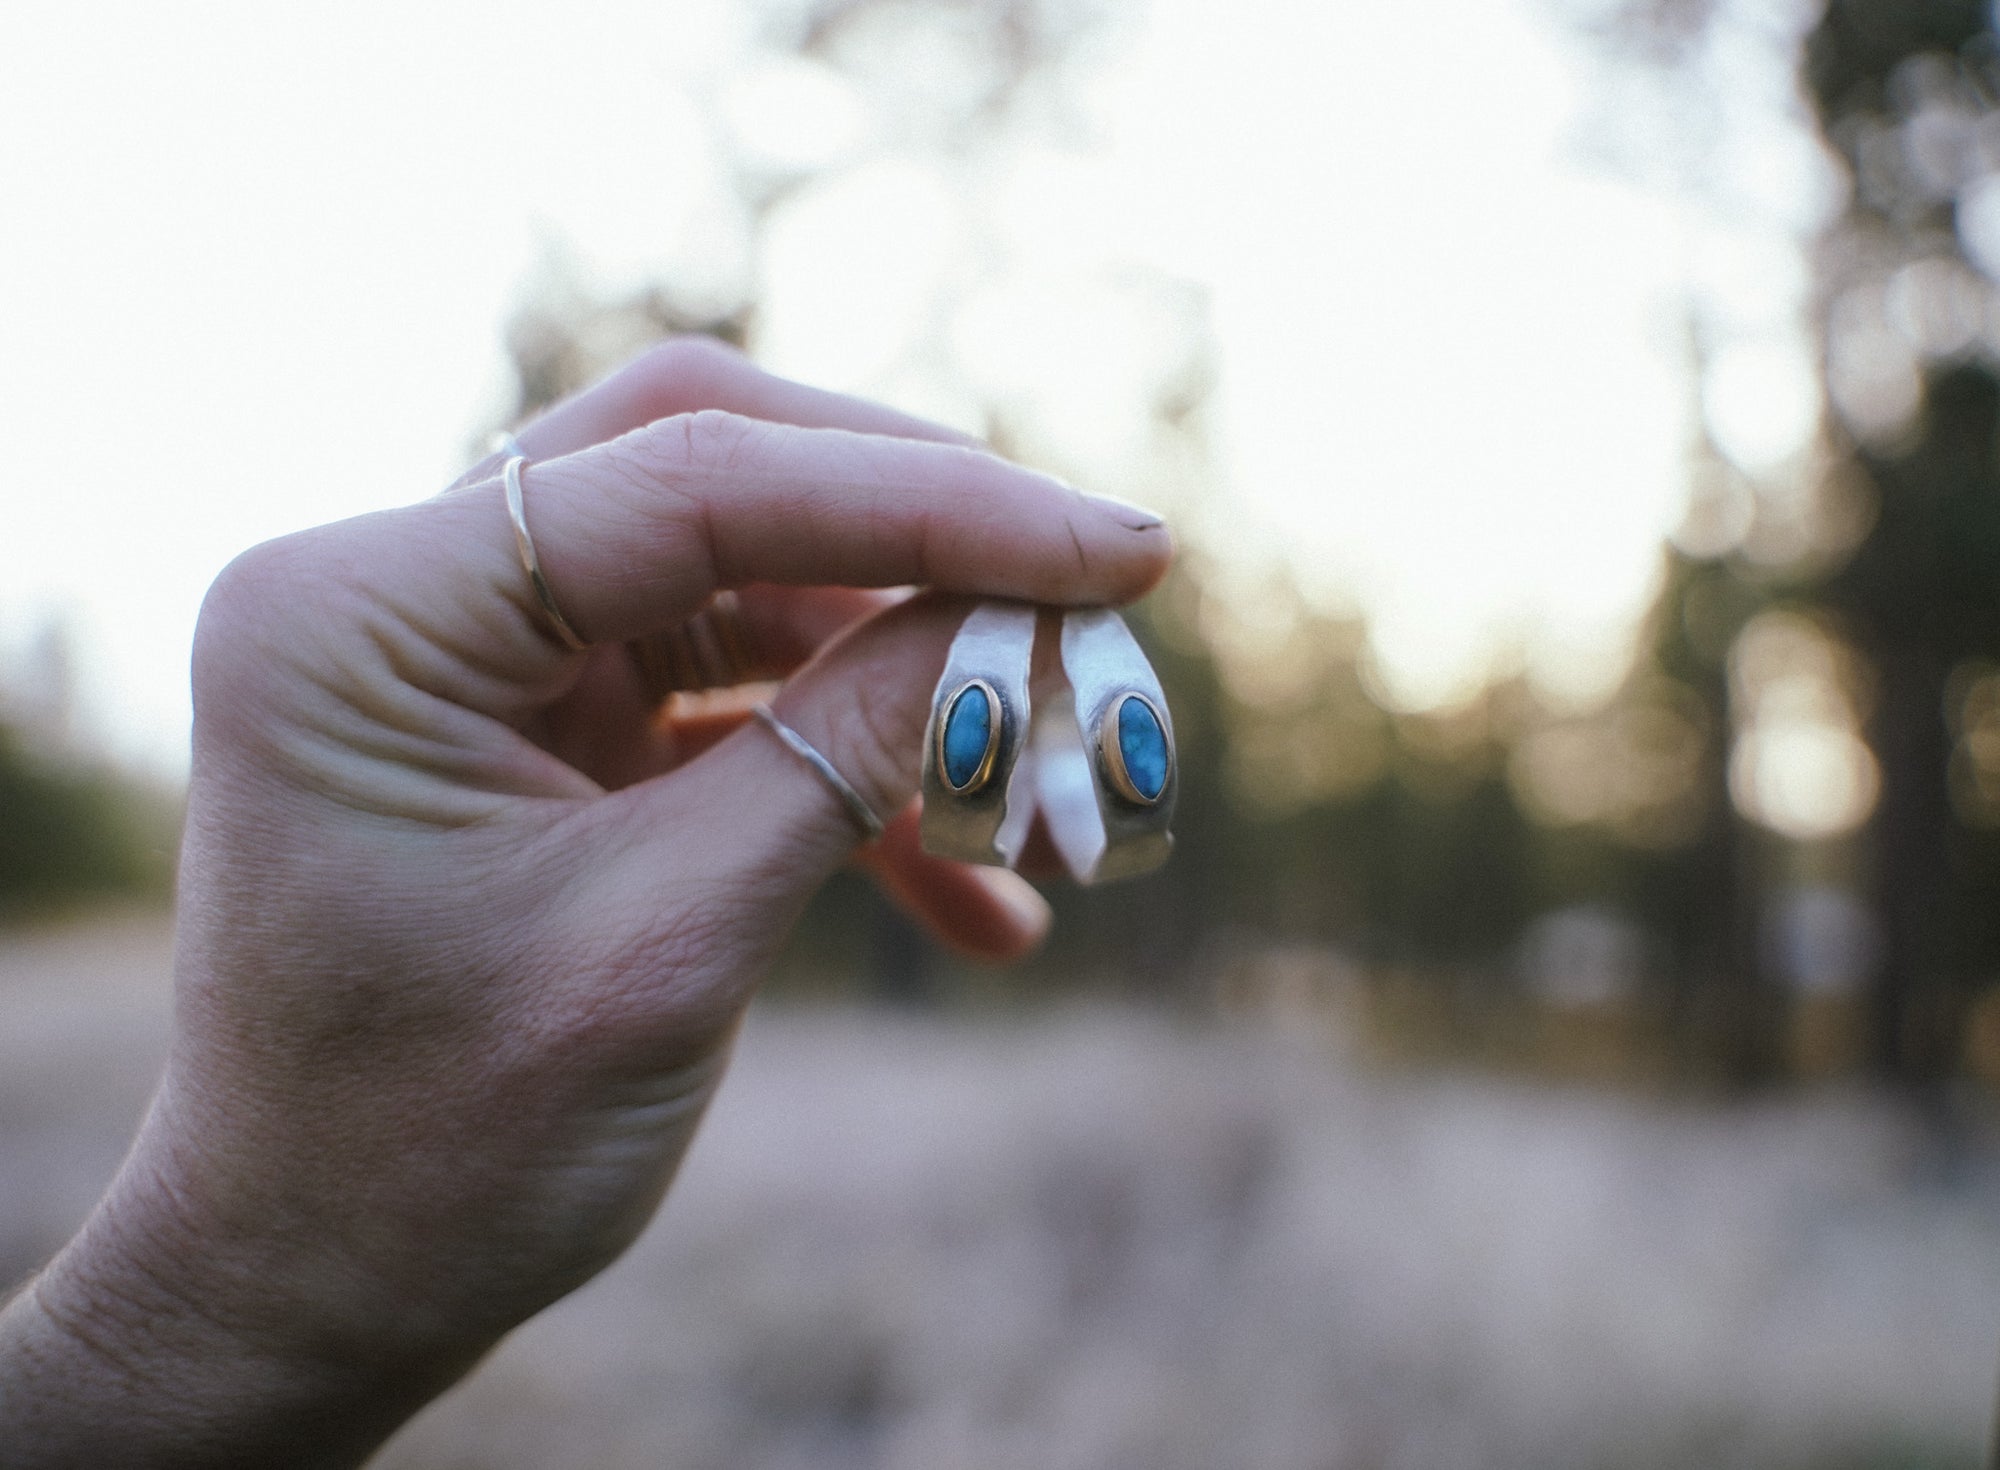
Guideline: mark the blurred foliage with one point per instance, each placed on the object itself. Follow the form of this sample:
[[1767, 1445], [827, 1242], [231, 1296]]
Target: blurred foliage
[[74, 831], [1775, 850], [1872, 570], [1907, 95]]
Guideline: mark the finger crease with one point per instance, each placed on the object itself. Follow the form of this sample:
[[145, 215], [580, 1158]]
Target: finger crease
[[1076, 541]]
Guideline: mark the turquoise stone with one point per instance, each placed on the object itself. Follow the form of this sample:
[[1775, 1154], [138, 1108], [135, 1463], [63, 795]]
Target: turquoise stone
[[1143, 745], [968, 729]]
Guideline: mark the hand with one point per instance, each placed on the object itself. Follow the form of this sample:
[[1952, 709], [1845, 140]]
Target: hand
[[464, 937]]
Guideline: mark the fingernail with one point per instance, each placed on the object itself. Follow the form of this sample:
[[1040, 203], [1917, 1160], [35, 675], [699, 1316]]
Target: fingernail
[[1131, 517]]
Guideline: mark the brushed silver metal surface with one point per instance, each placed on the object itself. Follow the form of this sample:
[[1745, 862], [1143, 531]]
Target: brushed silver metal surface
[[996, 644], [1112, 837]]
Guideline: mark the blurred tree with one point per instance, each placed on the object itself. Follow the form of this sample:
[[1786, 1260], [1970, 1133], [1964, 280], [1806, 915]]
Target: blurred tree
[[1907, 95], [1896, 551], [69, 834], [1700, 897], [72, 829], [563, 337], [1424, 845], [1922, 596]]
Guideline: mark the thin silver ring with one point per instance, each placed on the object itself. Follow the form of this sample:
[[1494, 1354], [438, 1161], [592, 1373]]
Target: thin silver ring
[[864, 815], [510, 474]]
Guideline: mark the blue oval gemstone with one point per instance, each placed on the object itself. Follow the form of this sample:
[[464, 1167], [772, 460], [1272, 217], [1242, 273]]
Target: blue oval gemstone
[[968, 730], [1143, 745]]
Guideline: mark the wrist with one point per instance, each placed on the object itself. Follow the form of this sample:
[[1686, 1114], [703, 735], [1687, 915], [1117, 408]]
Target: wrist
[[148, 1343]]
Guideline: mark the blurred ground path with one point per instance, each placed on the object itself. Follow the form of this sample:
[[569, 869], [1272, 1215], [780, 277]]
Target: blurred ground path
[[84, 1011], [1096, 1240]]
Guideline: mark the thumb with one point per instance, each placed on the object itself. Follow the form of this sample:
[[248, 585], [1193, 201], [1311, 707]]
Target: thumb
[[862, 703], [748, 830]]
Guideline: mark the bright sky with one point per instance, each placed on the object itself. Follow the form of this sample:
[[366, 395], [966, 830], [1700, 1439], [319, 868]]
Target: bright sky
[[254, 264]]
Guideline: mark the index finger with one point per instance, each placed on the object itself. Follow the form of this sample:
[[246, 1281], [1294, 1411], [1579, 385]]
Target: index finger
[[684, 375], [635, 534]]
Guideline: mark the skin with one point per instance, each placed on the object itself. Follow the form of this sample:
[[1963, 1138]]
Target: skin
[[464, 935]]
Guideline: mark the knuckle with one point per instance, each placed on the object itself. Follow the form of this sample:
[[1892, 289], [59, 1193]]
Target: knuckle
[[719, 441], [698, 446], [690, 459], [690, 367], [280, 622], [241, 615]]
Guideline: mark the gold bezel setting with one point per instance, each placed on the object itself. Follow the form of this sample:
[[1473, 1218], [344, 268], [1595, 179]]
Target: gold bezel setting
[[1111, 751], [995, 718]]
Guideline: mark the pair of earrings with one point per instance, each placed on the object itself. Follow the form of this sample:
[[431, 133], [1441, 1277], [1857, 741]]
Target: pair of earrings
[[1079, 735]]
